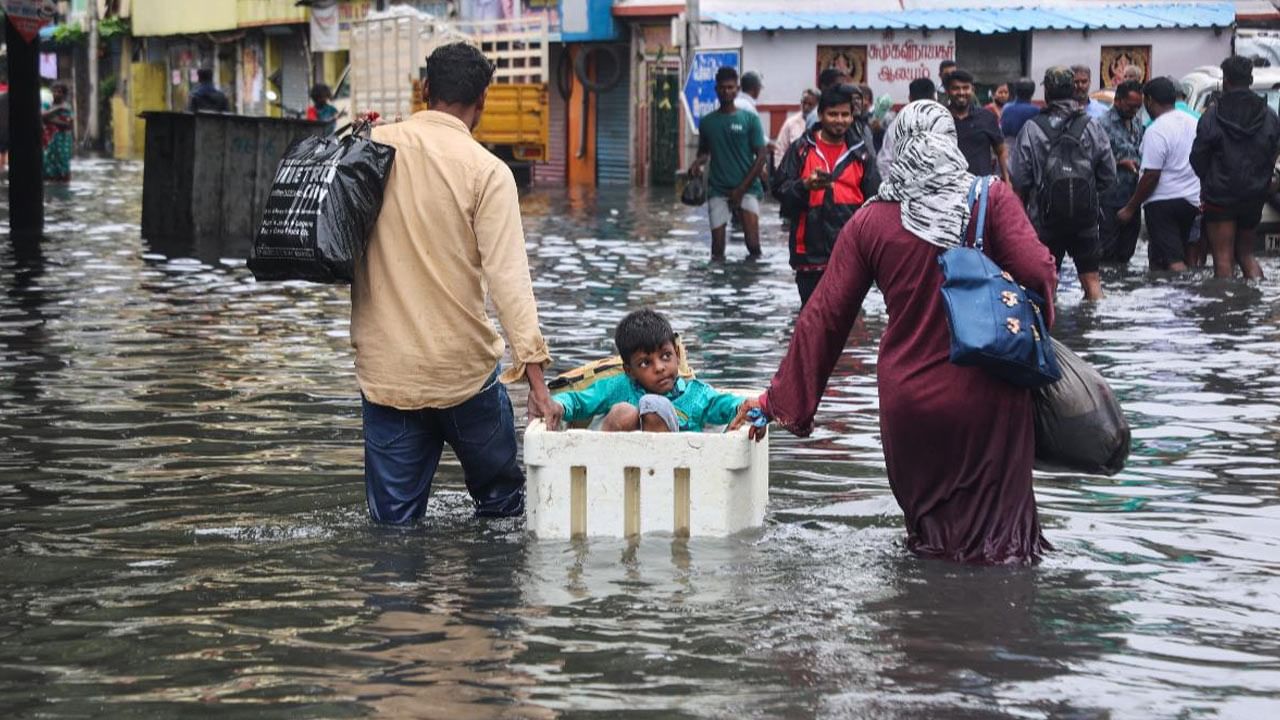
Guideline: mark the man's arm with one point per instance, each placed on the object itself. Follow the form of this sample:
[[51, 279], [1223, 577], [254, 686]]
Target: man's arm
[[704, 154], [1002, 157], [1104, 161], [762, 155], [500, 240], [756, 135], [1207, 140], [1146, 186], [1022, 168]]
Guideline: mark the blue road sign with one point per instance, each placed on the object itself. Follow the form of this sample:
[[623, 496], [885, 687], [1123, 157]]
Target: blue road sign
[[699, 91]]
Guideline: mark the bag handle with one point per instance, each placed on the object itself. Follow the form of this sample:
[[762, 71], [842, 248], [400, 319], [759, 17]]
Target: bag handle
[[979, 190]]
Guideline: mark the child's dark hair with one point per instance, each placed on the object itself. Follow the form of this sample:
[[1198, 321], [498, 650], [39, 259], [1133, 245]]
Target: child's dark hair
[[642, 330]]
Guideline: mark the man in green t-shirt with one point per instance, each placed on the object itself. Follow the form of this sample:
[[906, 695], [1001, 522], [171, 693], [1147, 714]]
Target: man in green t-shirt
[[734, 142]]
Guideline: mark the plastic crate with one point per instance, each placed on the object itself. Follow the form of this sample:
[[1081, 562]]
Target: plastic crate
[[589, 483]]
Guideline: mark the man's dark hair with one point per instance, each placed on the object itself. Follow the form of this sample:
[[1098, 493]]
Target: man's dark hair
[[1024, 89], [320, 90], [642, 330], [944, 66], [726, 73], [832, 96], [1124, 89], [830, 77], [1237, 71], [921, 89], [1161, 90], [750, 82], [457, 74], [956, 76], [204, 75]]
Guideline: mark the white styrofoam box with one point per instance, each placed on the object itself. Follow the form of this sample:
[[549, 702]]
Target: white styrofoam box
[[584, 482]]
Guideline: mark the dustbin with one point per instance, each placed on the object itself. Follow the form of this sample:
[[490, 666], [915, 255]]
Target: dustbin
[[206, 178]]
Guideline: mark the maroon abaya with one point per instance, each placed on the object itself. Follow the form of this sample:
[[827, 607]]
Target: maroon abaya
[[959, 443]]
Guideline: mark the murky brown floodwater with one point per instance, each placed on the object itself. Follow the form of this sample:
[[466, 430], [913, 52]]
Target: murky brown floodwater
[[183, 531]]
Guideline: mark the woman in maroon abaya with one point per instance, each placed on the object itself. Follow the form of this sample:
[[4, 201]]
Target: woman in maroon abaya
[[959, 443]]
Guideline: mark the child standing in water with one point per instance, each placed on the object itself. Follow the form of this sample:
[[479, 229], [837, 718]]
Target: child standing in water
[[650, 395]]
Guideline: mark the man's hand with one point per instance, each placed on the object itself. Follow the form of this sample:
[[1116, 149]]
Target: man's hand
[[1125, 215], [749, 413], [817, 180], [1129, 165], [542, 406], [554, 415], [695, 169], [735, 199], [540, 403]]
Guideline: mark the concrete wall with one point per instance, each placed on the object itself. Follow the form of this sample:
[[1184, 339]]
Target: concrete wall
[[172, 17], [1173, 52]]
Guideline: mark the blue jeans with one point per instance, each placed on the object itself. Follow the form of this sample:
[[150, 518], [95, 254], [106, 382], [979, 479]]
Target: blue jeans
[[402, 450]]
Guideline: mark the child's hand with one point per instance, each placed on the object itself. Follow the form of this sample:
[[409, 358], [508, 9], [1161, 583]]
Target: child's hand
[[749, 412]]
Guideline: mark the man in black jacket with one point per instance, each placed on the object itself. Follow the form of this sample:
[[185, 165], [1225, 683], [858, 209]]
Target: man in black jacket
[[1234, 154], [205, 97], [825, 177]]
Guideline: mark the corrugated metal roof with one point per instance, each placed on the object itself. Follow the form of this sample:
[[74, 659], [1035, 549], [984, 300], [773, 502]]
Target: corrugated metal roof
[[993, 20]]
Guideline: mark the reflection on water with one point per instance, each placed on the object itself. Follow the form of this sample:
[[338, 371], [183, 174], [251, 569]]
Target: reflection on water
[[182, 524]]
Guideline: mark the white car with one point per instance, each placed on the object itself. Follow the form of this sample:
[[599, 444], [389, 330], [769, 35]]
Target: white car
[[1203, 87]]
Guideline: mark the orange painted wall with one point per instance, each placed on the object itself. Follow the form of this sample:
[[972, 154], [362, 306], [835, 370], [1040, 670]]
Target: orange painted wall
[[581, 170]]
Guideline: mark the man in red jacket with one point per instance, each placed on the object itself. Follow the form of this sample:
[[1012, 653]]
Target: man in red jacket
[[824, 179]]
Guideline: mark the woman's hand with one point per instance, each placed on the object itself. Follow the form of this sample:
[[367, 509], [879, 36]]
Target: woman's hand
[[750, 412]]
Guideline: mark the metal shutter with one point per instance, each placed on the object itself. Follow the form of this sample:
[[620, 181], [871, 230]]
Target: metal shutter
[[613, 128]]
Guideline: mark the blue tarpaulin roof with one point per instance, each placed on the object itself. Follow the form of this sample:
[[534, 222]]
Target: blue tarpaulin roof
[[993, 20]]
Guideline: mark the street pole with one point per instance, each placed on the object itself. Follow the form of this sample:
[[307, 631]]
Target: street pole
[[26, 149], [93, 130]]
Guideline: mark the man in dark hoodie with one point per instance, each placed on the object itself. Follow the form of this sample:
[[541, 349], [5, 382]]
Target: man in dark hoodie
[[1237, 142]]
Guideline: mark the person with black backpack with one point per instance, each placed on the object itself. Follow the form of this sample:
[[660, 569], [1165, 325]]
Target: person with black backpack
[[1062, 162]]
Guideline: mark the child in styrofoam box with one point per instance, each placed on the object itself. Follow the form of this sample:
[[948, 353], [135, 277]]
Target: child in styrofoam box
[[651, 394]]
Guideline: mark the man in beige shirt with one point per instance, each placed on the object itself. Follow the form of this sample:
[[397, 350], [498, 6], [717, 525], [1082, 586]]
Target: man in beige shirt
[[427, 354]]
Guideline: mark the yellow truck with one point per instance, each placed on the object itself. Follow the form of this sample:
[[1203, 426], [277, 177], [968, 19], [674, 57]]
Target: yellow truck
[[388, 52]]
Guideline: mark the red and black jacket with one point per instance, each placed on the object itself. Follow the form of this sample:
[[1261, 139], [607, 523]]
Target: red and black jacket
[[817, 216]]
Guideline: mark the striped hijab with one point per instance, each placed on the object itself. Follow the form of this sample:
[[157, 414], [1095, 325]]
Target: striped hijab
[[930, 177]]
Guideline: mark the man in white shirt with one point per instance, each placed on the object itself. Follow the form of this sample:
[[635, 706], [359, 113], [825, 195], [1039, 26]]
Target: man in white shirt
[[1169, 190], [919, 89], [795, 125], [749, 88]]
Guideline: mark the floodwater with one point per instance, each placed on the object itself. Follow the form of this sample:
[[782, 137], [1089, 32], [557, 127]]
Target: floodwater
[[183, 531]]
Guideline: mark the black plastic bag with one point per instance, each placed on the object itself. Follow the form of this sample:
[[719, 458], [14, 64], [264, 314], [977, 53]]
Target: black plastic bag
[[1079, 424], [322, 206], [695, 191]]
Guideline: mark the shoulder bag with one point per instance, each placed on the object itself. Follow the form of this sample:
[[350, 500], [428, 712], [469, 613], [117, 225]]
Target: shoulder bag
[[996, 324]]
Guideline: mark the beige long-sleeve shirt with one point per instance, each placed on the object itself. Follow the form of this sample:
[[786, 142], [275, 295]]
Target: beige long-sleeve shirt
[[449, 234]]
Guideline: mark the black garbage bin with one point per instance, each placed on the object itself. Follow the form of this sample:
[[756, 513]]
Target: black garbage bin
[[206, 178]]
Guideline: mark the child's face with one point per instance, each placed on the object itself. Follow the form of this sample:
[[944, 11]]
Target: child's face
[[654, 370]]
